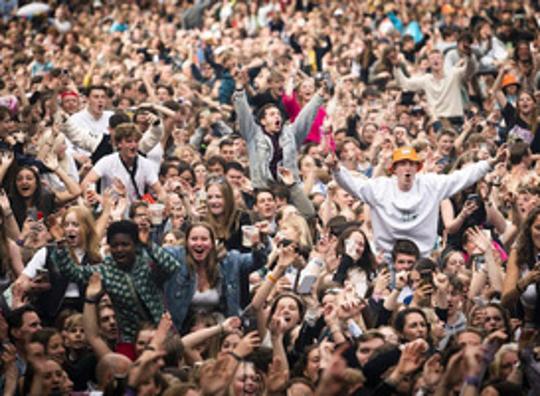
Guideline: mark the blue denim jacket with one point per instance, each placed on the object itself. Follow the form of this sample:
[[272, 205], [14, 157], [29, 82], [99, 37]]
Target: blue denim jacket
[[180, 288]]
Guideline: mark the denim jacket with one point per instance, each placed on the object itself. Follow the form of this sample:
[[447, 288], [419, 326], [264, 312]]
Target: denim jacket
[[180, 288]]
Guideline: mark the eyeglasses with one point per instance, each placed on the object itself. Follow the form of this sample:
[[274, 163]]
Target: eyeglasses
[[216, 180], [333, 291]]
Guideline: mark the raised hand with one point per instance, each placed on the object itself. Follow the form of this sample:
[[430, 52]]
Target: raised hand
[[4, 202], [481, 241], [286, 175], [94, 288], [248, 344], [165, 324], [231, 324], [51, 161], [6, 159]]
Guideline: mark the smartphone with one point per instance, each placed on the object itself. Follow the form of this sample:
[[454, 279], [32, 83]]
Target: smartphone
[[426, 277], [249, 320], [473, 197], [306, 284], [479, 262], [387, 260], [32, 214]]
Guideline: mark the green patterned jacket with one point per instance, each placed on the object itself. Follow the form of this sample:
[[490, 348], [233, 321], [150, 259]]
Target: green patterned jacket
[[124, 285]]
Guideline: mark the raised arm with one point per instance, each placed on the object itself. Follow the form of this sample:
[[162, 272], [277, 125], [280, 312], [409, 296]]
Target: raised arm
[[73, 190], [163, 259], [75, 273], [303, 122], [80, 137], [248, 126], [93, 294], [415, 83], [448, 185], [198, 337], [152, 136]]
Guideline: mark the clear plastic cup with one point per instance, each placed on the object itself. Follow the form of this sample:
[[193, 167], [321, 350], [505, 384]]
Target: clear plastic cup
[[248, 232], [156, 213]]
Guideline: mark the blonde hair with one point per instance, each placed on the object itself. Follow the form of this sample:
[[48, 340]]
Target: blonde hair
[[300, 225], [73, 321], [495, 367], [89, 237]]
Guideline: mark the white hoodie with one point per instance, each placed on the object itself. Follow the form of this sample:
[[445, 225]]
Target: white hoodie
[[412, 214]]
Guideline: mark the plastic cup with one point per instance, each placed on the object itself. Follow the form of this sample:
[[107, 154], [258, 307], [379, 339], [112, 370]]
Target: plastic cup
[[248, 232], [156, 213]]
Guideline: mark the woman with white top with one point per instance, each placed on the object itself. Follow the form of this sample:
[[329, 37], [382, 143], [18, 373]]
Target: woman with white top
[[42, 276]]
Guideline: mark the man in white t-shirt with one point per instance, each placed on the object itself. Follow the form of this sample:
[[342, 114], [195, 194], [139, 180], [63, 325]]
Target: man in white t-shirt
[[93, 117], [134, 171], [406, 205]]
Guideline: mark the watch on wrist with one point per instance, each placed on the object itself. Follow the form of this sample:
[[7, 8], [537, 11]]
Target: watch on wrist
[[94, 299]]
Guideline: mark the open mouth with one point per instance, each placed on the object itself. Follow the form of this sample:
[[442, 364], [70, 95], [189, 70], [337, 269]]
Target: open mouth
[[198, 252], [71, 238], [25, 189]]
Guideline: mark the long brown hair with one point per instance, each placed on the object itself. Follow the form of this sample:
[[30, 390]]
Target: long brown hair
[[89, 237], [222, 227], [212, 269], [525, 245], [534, 115], [5, 256]]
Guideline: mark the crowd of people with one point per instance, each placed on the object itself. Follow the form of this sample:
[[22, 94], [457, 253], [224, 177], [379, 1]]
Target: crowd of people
[[291, 197]]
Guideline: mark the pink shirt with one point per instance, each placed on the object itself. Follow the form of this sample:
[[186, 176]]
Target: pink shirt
[[293, 108]]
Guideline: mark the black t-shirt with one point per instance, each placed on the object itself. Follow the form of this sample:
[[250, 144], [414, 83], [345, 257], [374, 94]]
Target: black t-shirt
[[82, 371], [518, 127]]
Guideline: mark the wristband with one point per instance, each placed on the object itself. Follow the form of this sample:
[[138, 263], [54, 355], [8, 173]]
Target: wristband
[[271, 278], [473, 380], [235, 356], [95, 299]]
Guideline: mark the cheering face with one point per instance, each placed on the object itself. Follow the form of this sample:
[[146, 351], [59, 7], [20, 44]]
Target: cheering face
[[128, 148], [287, 309], [96, 101], [72, 230], [271, 121], [123, 249], [415, 327], [26, 183], [405, 172], [199, 243], [525, 103], [55, 349], [307, 89], [216, 202], [246, 380], [436, 61]]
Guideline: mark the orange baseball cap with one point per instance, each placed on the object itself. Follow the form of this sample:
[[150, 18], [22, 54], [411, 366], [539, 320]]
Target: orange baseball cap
[[509, 79], [405, 153]]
